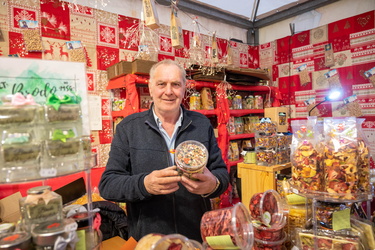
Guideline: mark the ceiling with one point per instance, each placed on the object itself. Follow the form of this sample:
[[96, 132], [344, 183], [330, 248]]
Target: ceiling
[[248, 14]]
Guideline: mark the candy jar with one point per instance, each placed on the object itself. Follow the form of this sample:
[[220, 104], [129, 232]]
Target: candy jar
[[191, 157], [227, 228]]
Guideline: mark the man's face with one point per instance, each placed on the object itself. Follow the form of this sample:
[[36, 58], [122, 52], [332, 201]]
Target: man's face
[[167, 89]]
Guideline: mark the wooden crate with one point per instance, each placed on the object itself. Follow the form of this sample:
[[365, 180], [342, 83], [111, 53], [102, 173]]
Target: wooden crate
[[119, 69], [257, 179]]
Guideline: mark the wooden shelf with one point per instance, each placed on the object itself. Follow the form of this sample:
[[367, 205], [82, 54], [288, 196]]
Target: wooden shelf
[[241, 136], [242, 112], [206, 112]]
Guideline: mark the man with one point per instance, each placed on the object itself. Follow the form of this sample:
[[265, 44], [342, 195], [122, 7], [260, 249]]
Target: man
[[141, 169]]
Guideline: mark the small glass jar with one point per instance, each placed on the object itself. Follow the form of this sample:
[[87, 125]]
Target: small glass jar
[[228, 228], [40, 205], [46, 234], [250, 157]]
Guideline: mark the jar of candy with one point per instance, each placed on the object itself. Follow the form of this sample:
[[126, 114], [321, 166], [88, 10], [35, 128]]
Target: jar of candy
[[40, 205], [228, 228], [250, 156], [191, 157], [258, 102]]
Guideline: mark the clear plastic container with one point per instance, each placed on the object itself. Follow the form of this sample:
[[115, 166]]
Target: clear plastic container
[[65, 112], [272, 233], [39, 206], [176, 241], [270, 245], [191, 156], [227, 228], [266, 208]]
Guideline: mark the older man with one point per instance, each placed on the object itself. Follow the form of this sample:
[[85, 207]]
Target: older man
[[141, 169]]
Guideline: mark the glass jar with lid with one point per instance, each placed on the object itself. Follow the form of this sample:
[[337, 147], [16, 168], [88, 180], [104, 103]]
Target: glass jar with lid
[[249, 155], [40, 205]]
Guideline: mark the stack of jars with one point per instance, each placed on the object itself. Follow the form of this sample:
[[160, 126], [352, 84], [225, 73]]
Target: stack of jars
[[268, 220], [266, 142]]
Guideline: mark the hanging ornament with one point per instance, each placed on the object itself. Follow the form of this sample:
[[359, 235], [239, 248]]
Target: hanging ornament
[[196, 53]]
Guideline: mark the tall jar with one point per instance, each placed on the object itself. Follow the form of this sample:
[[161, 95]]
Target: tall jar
[[228, 228], [40, 205]]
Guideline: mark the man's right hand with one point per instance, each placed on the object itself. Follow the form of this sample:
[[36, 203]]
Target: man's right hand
[[163, 181]]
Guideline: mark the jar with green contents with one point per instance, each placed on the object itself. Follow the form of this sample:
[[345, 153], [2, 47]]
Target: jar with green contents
[[249, 155], [40, 205]]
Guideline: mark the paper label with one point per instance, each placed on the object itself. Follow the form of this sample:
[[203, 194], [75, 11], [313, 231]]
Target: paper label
[[341, 219], [221, 242], [81, 244]]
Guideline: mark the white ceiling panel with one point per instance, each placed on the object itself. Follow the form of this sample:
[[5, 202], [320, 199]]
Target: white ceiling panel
[[245, 8]]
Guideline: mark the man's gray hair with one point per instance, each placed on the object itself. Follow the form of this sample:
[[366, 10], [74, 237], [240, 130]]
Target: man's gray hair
[[168, 62]]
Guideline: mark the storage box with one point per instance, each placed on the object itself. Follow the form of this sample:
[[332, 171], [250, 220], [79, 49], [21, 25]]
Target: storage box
[[119, 69], [279, 115], [141, 67]]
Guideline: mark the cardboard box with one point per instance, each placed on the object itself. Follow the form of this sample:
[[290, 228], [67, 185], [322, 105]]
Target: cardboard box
[[279, 115], [119, 69], [10, 208], [142, 67]]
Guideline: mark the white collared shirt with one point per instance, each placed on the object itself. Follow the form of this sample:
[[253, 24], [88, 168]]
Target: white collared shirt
[[169, 140]]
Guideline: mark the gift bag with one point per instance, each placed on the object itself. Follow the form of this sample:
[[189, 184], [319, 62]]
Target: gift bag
[[303, 75], [76, 51], [176, 30], [370, 74], [150, 14], [31, 35], [229, 55], [215, 56], [329, 59], [353, 106], [333, 79]]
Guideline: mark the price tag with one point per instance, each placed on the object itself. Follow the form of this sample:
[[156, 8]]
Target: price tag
[[48, 172]]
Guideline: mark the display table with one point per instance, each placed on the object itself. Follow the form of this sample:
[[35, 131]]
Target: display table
[[257, 179]]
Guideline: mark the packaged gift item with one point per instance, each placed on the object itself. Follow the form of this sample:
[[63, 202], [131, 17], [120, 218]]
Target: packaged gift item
[[305, 158], [265, 208], [206, 97], [341, 157], [40, 205], [228, 228], [62, 109], [191, 157], [18, 109], [151, 17]]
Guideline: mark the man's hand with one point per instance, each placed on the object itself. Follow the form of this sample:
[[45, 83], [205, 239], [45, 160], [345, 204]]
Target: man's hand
[[205, 182], [163, 181]]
